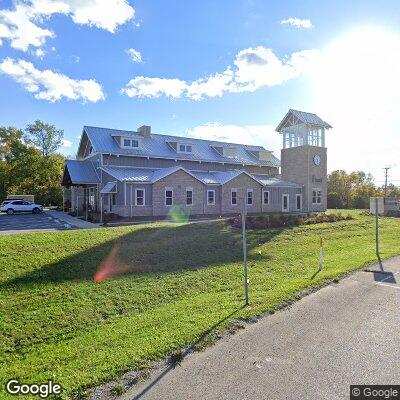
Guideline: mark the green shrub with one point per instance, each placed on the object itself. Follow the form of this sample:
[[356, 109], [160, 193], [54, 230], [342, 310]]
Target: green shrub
[[118, 389], [284, 220]]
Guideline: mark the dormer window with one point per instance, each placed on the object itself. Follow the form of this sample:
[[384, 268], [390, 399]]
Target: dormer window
[[130, 143], [225, 151], [184, 148]]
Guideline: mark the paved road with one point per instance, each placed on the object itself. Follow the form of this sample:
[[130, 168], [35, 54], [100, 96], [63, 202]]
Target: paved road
[[29, 222], [347, 333]]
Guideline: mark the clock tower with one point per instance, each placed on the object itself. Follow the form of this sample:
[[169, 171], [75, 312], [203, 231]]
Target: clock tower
[[304, 157]]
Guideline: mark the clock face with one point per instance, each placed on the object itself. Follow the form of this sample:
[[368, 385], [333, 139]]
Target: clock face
[[317, 159]]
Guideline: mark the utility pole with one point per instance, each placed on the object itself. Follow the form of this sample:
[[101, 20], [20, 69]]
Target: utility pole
[[386, 178]]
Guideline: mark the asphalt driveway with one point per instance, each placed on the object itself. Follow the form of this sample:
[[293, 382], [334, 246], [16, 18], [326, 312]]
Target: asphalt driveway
[[30, 222]]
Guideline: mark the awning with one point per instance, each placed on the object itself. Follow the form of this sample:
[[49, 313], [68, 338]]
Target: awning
[[111, 187]]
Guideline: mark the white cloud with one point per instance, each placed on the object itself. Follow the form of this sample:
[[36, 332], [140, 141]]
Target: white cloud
[[260, 135], [49, 85], [154, 87], [134, 55], [298, 23], [104, 14], [66, 143], [253, 68], [21, 24], [40, 53]]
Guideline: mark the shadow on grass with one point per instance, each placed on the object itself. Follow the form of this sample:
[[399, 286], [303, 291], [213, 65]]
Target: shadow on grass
[[150, 250], [315, 274], [171, 366]]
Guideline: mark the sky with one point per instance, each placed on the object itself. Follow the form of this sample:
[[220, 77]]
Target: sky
[[226, 70]]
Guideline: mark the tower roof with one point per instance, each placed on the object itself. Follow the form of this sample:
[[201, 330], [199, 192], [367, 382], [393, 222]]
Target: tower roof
[[304, 117]]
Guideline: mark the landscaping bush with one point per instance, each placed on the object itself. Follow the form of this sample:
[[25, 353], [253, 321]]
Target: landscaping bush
[[393, 213], [107, 217], [283, 220]]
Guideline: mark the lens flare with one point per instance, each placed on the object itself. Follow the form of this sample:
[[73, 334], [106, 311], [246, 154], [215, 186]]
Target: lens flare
[[177, 215], [112, 266]]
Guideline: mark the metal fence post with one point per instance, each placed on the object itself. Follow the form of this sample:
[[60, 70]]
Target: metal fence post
[[377, 227], [246, 279]]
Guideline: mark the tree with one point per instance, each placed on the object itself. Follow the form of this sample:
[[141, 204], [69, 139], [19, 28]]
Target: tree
[[335, 200], [44, 136], [393, 191], [350, 190], [25, 170]]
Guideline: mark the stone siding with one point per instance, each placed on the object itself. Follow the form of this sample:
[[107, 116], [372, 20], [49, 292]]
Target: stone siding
[[179, 181], [298, 166], [241, 183]]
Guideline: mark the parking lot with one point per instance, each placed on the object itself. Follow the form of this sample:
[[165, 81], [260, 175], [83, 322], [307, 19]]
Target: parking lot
[[30, 222]]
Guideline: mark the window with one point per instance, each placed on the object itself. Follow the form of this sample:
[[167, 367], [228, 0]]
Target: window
[[298, 202], [91, 196], [130, 143], [266, 197], [234, 197], [316, 196], [249, 197], [90, 149], [139, 197], [189, 197], [185, 148], [169, 194], [285, 202], [211, 197], [113, 199]]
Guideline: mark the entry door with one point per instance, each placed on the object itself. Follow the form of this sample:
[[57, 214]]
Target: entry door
[[285, 202]]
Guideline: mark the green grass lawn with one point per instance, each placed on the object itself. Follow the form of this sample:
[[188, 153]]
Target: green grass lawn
[[182, 281]]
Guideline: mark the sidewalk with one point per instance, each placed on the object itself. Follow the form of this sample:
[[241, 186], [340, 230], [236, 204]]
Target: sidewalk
[[74, 222], [344, 334]]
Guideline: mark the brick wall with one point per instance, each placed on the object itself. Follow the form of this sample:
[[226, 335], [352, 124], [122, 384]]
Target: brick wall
[[298, 166], [241, 183], [178, 181]]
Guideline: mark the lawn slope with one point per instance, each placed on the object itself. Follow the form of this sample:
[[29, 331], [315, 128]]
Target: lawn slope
[[181, 281]]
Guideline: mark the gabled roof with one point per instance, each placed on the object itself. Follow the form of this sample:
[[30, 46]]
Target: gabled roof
[[144, 175], [81, 172], [103, 140], [147, 175], [162, 173], [305, 117], [221, 177]]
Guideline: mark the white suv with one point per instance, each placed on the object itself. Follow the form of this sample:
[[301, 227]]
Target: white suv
[[10, 207]]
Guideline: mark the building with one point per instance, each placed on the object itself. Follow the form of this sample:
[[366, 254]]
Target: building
[[140, 173], [389, 206]]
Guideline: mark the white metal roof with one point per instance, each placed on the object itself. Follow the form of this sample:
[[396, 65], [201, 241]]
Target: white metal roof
[[147, 175], [81, 172], [103, 141], [111, 187], [306, 118]]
